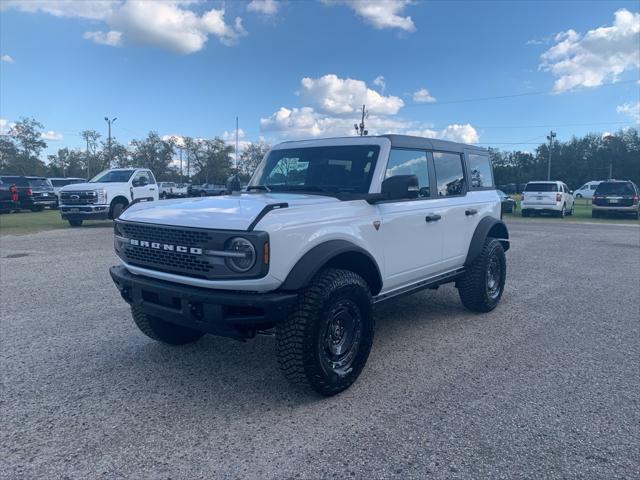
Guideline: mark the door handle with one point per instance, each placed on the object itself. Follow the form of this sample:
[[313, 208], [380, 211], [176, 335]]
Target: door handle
[[432, 218], [152, 189], [471, 211]]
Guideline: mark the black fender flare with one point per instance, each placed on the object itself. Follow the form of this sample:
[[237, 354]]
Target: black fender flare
[[319, 256], [488, 226]]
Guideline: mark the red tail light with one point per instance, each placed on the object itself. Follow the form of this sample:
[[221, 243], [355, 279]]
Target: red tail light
[[558, 197]]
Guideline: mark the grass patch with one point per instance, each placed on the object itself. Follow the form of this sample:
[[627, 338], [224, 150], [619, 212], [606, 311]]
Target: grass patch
[[26, 222], [581, 213]]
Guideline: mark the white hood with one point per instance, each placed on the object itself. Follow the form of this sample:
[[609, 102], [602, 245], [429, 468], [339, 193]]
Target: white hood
[[225, 212], [75, 187]]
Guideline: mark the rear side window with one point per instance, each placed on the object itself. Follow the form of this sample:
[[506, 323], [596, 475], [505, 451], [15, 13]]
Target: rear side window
[[615, 188], [480, 171], [449, 174], [410, 162], [541, 187]]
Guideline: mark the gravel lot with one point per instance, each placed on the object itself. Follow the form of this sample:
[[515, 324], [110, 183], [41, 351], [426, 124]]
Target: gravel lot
[[546, 386]]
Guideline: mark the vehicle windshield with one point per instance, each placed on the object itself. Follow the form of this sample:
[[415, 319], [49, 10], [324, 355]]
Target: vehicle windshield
[[39, 182], [112, 176], [616, 188], [541, 187], [347, 168]]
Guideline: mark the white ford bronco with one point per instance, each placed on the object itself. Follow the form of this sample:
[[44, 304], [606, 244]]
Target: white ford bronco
[[326, 229], [106, 195]]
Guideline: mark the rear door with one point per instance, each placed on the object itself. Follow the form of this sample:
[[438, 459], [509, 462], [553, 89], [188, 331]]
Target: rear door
[[541, 193], [412, 233]]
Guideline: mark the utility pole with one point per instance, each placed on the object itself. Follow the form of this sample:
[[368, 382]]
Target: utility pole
[[360, 128], [550, 137], [109, 122], [181, 174], [237, 145], [88, 160]]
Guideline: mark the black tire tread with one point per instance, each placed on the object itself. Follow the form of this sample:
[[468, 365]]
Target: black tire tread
[[471, 285], [294, 355]]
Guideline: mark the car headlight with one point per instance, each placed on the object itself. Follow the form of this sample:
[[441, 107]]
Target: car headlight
[[102, 196], [246, 254]]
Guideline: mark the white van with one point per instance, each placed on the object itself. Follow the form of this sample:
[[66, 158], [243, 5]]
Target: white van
[[586, 190]]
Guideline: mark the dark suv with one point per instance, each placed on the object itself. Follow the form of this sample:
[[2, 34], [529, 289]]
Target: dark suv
[[616, 196], [43, 194]]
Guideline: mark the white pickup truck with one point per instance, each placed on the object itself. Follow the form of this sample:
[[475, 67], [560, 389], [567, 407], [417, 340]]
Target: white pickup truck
[[106, 195]]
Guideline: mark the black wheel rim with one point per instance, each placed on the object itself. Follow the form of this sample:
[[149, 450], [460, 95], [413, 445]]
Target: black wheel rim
[[341, 336], [494, 278]]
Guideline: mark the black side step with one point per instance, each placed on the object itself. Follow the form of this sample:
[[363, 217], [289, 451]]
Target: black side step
[[432, 282]]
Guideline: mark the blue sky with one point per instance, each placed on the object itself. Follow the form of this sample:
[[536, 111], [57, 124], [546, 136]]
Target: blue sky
[[300, 69]]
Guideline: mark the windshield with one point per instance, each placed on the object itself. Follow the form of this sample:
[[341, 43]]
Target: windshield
[[346, 168], [39, 182], [541, 187], [112, 176], [617, 188]]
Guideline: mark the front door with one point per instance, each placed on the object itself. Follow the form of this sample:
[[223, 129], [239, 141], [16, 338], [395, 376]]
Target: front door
[[143, 185], [411, 231]]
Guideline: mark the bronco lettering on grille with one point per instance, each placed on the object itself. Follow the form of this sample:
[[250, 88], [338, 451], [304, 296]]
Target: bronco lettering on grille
[[165, 246]]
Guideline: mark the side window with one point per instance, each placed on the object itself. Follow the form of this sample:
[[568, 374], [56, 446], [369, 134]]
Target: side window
[[140, 175], [152, 179], [410, 162], [593, 187], [480, 170], [449, 174]]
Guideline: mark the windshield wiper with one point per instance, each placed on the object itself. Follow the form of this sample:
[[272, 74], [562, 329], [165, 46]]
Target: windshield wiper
[[258, 187]]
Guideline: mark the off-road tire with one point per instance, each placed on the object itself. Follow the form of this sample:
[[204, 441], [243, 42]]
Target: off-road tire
[[301, 337], [161, 331], [473, 285], [75, 223], [117, 209]]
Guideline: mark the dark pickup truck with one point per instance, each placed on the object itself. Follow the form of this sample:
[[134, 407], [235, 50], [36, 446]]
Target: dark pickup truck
[[25, 192], [8, 199], [43, 194]]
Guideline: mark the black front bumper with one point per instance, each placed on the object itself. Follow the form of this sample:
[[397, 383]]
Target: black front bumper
[[221, 312]]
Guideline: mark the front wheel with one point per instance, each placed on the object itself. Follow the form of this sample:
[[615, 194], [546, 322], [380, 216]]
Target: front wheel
[[75, 223], [525, 213], [481, 286], [117, 210], [161, 331], [325, 341]]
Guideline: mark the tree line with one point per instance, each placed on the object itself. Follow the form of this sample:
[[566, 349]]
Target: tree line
[[575, 161], [199, 160]]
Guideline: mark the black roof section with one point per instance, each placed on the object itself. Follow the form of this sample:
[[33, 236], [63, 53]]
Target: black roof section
[[409, 141]]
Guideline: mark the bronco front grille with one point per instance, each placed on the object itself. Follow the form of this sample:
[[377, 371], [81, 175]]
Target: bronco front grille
[[173, 236], [172, 262]]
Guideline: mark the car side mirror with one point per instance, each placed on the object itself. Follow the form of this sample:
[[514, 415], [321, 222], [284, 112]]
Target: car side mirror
[[400, 187]]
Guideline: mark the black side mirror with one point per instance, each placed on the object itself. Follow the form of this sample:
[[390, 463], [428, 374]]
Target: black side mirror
[[400, 187], [233, 184]]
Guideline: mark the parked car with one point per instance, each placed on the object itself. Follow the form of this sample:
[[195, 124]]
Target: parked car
[[165, 189], [25, 194], [59, 182], [326, 229], [180, 190], [8, 197], [508, 204], [546, 197], [586, 190], [616, 196], [207, 190], [106, 195], [43, 194]]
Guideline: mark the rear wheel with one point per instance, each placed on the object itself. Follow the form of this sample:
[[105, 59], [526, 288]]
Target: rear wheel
[[75, 223], [324, 342], [481, 286], [162, 331], [37, 208], [563, 211]]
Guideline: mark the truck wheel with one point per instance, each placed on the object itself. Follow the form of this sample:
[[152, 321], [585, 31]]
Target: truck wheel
[[481, 286], [38, 208], [525, 213], [161, 331], [116, 210], [324, 342], [75, 223]]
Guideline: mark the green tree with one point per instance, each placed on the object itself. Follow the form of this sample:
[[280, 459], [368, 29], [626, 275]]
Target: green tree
[[93, 164], [152, 153], [27, 139], [209, 158], [250, 158]]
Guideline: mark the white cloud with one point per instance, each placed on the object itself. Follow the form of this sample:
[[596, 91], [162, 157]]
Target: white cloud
[[266, 7], [380, 13], [7, 58], [631, 109], [111, 38], [596, 57], [169, 24], [456, 133], [422, 96], [51, 136], [345, 96], [380, 82], [4, 126]]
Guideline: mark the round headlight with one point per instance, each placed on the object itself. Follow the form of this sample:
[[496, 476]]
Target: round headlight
[[246, 257]]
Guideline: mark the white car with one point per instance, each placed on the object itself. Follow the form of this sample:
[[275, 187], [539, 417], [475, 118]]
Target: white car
[[165, 189], [586, 190], [546, 197], [326, 229], [106, 195]]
